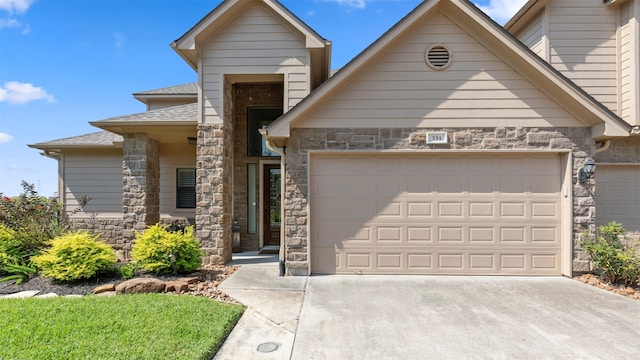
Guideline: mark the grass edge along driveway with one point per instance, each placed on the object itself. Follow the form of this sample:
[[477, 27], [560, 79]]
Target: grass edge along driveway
[[146, 326]]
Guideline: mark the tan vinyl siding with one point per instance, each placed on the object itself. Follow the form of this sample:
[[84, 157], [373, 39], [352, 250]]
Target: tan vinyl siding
[[583, 46], [398, 89], [629, 66], [254, 43], [532, 35], [171, 158], [95, 173]]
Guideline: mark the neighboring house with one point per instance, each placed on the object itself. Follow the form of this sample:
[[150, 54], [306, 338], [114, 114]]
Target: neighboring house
[[446, 147]]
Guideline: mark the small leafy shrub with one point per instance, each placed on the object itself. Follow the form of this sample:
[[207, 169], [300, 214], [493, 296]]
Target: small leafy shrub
[[128, 271], [152, 249], [614, 256], [10, 247], [74, 256], [36, 219], [14, 258], [18, 273]]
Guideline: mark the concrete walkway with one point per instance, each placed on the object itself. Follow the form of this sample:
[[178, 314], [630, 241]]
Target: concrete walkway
[[425, 317], [267, 328]]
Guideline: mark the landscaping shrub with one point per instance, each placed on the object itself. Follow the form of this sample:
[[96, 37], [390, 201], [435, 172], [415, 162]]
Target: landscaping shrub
[[75, 255], [14, 258], [10, 247], [128, 271], [35, 219], [614, 255], [153, 247]]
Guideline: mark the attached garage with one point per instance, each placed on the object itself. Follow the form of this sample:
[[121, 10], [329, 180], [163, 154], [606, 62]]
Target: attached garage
[[437, 213], [618, 195]]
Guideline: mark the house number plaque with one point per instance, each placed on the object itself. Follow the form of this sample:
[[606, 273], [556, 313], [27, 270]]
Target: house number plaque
[[437, 138]]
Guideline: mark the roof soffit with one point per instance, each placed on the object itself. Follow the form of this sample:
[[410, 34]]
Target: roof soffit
[[482, 28]]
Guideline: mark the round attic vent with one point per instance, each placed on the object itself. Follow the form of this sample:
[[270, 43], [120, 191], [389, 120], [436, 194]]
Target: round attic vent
[[438, 57]]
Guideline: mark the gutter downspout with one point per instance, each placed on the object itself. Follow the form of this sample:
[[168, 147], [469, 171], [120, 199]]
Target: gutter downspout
[[603, 146], [281, 254]]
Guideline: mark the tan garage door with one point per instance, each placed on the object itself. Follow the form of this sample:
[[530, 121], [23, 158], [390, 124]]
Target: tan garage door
[[439, 214], [618, 195]]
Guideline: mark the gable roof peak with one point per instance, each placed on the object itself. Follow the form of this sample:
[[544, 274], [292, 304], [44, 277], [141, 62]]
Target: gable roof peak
[[493, 36], [186, 45]]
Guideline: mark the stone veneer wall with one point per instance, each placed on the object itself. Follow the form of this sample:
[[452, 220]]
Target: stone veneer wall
[[213, 192], [141, 184], [578, 140]]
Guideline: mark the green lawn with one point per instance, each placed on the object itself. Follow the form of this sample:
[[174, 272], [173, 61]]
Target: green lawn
[[151, 326]]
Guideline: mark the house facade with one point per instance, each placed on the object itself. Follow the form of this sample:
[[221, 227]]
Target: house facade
[[451, 145]]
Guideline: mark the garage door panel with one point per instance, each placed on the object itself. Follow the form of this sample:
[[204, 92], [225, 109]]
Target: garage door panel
[[421, 261], [482, 235], [450, 209], [450, 185], [419, 209], [434, 223], [481, 209]]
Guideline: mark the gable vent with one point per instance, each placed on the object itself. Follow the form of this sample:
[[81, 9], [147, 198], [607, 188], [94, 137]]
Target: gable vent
[[438, 57]]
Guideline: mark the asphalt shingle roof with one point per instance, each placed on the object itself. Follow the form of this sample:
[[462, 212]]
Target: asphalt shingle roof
[[102, 138], [184, 89], [180, 113]]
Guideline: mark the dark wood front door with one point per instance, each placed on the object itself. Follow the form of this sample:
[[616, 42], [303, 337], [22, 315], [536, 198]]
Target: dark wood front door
[[271, 200]]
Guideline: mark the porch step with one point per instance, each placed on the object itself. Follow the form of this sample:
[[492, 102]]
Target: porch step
[[270, 249]]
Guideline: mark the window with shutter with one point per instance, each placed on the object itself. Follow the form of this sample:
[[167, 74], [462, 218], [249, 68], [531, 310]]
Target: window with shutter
[[186, 188]]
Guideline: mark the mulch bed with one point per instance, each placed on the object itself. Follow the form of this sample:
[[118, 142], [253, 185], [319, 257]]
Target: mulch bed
[[209, 278], [632, 292]]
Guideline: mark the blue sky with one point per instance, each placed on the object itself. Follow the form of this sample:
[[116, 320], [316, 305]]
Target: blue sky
[[66, 62]]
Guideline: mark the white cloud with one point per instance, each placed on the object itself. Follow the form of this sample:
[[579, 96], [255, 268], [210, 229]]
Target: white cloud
[[350, 4], [9, 23], [4, 138], [15, 6], [21, 93], [502, 10]]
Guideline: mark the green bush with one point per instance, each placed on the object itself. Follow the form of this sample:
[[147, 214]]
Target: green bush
[[74, 256], [10, 248], [614, 256], [152, 249], [128, 271], [35, 219], [14, 258]]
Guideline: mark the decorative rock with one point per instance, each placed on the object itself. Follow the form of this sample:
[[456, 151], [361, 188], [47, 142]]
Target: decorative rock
[[104, 288], [140, 285], [176, 286], [190, 280], [107, 294], [22, 294], [47, 296], [630, 290], [74, 296]]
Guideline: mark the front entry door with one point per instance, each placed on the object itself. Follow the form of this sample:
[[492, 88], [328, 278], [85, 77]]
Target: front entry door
[[271, 197]]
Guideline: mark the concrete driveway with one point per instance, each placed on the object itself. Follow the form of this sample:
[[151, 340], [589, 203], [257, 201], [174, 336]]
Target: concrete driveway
[[426, 317], [419, 317]]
